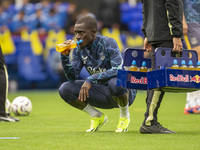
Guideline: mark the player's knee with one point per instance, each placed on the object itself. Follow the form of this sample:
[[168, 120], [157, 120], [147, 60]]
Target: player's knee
[[114, 89], [65, 92]]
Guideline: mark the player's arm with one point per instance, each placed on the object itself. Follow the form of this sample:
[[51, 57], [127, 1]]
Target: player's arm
[[175, 14], [72, 68], [147, 45]]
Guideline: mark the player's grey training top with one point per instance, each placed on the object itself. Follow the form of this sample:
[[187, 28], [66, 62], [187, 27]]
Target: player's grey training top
[[102, 60]]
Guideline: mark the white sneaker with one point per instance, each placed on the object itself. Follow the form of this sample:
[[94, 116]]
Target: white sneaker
[[6, 119]]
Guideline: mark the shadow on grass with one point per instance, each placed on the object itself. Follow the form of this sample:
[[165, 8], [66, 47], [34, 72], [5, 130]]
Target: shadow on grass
[[188, 132], [106, 132]]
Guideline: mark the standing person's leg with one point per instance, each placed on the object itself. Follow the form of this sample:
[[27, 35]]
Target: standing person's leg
[[3, 93], [153, 101], [3, 85], [4, 90], [2, 98]]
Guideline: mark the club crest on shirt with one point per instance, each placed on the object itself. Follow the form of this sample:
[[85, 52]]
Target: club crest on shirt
[[102, 57], [84, 59]]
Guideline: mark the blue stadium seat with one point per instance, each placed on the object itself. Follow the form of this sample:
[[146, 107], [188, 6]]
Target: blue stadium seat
[[23, 47], [130, 13], [125, 17], [135, 26], [125, 7], [136, 16], [139, 6], [31, 68], [50, 71], [11, 59]]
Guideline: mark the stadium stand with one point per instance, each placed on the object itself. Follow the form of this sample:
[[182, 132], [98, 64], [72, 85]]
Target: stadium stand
[[28, 53]]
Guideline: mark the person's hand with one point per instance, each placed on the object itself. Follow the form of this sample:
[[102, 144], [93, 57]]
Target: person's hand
[[66, 52], [84, 92], [178, 46], [147, 46]]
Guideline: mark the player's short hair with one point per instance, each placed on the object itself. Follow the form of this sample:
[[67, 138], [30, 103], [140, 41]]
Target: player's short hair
[[89, 22]]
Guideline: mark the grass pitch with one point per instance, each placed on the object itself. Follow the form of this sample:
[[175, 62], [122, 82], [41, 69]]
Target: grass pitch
[[53, 125]]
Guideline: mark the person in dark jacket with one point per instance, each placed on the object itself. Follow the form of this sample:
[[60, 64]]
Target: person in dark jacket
[[162, 27]]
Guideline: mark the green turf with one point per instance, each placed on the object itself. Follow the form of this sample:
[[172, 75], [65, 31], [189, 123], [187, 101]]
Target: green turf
[[53, 125]]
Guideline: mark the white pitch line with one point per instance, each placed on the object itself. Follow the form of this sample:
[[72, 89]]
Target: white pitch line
[[5, 138]]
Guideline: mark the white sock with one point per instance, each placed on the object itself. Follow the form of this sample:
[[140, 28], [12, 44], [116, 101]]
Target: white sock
[[124, 111], [190, 96], [196, 94], [190, 100], [93, 112]]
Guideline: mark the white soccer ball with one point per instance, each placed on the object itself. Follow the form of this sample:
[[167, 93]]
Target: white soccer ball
[[8, 106], [21, 106]]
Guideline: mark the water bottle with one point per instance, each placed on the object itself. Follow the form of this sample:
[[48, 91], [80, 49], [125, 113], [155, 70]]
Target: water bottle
[[71, 45], [183, 65], [198, 66], [143, 68], [190, 65], [175, 65], [133, 67]]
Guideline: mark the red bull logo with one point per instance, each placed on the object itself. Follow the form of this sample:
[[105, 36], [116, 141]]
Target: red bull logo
[[196, 79], [142, 80], [179, 78]]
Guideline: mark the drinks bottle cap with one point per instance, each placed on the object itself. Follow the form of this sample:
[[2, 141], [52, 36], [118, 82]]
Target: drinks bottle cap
[[198, 63], [134, 62], [175, 62], [80, 41], [144, 63], [190, 63], [183, 62]]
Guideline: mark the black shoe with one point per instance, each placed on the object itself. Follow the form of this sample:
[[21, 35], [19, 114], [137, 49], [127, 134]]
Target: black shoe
[[16, 119], [6, 119], [155, 129]]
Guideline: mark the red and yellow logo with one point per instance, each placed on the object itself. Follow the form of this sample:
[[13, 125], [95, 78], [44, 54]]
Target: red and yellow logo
[[196, 79]]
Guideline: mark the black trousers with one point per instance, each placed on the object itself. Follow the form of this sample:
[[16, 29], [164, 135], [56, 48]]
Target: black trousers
[[3, 84], [154, 98]]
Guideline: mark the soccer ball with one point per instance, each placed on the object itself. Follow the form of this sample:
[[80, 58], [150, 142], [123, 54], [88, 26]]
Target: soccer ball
[[8, 106], [21, 106]]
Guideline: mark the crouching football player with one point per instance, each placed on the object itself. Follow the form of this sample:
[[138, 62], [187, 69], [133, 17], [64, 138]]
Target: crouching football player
[[101, 57]]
